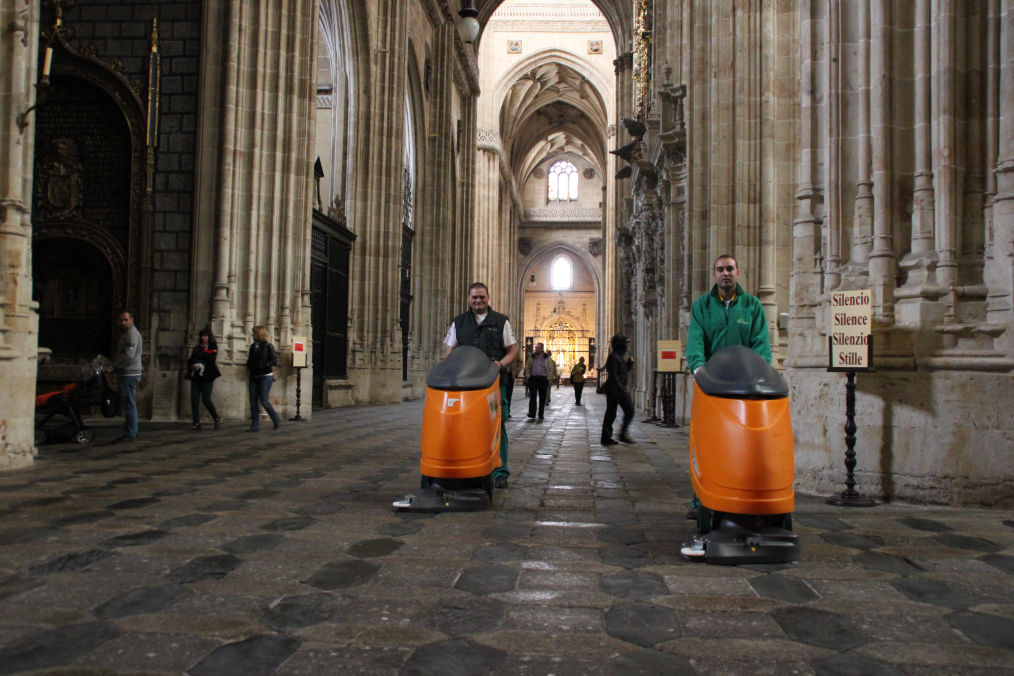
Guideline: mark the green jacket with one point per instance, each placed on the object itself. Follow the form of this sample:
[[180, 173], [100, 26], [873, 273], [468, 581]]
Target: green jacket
[[711, 328]]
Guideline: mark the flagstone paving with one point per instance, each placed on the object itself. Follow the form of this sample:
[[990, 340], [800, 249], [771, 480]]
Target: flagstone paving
[[222, 552]]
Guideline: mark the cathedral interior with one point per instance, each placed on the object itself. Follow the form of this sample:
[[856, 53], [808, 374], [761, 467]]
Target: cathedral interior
[[340, 171]]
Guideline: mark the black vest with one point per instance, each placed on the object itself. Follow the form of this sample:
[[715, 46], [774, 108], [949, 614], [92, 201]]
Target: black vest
[[487, 336]]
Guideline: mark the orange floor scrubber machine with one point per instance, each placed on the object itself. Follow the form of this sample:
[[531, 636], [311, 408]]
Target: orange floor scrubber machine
[[741, 461], [460, 435]]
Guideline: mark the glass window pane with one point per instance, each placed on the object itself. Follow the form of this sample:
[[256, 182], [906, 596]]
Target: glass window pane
[[561, 274]]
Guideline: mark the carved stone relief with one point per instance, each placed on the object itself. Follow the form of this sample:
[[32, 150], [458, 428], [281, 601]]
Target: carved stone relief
[[61, 179]]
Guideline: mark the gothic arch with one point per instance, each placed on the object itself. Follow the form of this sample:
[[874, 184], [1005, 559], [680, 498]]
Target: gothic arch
[[90, 174], [616, 12], [549, 251], [338, 83], [552, 101]]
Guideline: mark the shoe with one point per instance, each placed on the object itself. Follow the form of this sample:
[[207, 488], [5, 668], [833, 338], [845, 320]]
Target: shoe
[[541, 418], [627, 440], [577, 403], [531, 417], [500, 481], [609, 442], [123, 440], [276, 423], [694, 550], [253, 429], [218, 421], [197, 426], [692, 514]]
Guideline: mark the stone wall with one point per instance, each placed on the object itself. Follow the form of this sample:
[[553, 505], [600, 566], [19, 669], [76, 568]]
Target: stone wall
[[120, 34]]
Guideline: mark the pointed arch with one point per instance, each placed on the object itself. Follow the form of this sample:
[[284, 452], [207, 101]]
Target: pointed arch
[[336, 91]]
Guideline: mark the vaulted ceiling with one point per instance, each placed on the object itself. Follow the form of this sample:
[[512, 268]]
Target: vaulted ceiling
[[552, 105], [616, 12]]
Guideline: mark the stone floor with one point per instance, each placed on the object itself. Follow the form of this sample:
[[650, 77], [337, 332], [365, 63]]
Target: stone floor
[[221, 552]]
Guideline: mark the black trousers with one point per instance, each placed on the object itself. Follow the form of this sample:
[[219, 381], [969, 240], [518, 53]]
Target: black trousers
[[539, 387], [578, 388], [509, 381], [613, 399]]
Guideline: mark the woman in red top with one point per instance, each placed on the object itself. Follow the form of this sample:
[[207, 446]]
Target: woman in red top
[[202, 377]]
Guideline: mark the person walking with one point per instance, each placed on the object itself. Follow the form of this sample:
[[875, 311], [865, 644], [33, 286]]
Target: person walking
[[537, 370], [577, 379], [261, 358], [128, 368], [616, 392], [202, 372], [551, 375]]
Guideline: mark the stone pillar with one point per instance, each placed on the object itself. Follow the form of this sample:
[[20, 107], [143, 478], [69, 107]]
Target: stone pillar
[[611, 301], [805, 279], [883, 259], [1000, 269], [920, 263], [19, 322], [375, 345], [862, 215], [255, 168]]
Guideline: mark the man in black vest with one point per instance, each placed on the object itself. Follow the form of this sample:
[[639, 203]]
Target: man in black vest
[[491, 332]]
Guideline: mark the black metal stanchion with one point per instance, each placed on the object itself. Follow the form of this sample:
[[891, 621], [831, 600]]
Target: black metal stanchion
[[299, 394], [654, 398], [850, 497], [668, 400]]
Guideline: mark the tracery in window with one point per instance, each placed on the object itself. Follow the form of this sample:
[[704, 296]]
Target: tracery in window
[[563, 179], [561, 273]]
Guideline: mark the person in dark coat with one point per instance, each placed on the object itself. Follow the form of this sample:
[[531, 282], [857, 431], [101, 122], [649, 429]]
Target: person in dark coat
[[616, 392], [259, 362], [202, 372]]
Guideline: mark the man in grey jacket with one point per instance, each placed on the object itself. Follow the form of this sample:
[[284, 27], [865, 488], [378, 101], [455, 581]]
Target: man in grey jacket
[[127, 364]]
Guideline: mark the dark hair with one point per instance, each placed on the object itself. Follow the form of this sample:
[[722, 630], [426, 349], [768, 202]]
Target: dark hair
[[478, 285], [124, 311], [618, 343], [206, 332], [718, 258]]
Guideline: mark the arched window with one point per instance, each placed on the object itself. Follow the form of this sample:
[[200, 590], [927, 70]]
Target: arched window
[[561, 273], [563, 179]]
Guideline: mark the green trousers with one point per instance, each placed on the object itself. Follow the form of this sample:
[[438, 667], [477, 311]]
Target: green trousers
[[505, 410]]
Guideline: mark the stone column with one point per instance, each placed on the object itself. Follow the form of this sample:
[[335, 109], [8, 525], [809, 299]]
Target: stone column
[[611, 300], [921, 262], [862, 217], [19, 321], [1001, 268], [883, 259], [805, 279], [256, 171]]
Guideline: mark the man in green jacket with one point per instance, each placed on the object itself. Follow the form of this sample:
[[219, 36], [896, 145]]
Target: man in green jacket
[[726, 315]]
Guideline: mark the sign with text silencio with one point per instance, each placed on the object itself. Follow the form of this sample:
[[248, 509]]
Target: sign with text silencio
[[851, 331]]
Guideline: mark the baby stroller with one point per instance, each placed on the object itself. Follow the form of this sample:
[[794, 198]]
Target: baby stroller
[[57, 412]]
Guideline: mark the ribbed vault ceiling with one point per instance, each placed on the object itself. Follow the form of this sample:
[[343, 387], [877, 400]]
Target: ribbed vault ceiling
[[551, 108]]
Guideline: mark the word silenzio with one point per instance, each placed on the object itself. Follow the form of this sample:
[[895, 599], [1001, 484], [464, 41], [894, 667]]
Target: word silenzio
[[850, 330]]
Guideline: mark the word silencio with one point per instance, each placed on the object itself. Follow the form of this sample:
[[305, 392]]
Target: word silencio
[[850, 330]]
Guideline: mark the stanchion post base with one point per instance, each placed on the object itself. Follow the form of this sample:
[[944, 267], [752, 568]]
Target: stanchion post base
[[297, 419], [845, 500]]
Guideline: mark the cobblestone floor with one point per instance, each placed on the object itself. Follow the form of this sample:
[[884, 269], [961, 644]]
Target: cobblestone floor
[[222, 552]]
